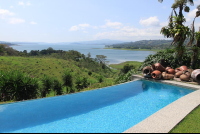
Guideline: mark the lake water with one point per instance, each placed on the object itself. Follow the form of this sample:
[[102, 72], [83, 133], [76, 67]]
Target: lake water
[[113, 56]]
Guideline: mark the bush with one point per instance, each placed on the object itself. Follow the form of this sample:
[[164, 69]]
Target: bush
[[68, 81], [127, 68], [124, 77], [90, 73], [57, 87], [15, 85], [47, 85], [100, 79]]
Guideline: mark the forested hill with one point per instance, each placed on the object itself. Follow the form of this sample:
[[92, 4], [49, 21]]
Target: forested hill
[[143, 44]]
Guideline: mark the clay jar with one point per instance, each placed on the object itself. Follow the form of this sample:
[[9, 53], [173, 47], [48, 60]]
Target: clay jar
[[190, 70], [159, 67], [177, 70], [184, 77], [156, 74], [187, 72], [147, 71], [182, 68], [170, 71], [167, 76], [177, 75], [196, 75], [167, 68]]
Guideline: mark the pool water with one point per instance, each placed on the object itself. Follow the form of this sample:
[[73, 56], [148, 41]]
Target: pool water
[[106, 110]]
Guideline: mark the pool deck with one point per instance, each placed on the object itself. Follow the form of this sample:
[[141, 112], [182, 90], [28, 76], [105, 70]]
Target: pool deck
[[168, 117]]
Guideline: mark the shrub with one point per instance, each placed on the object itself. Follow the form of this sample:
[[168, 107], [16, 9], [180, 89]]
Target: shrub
[[124, 77], [57, 87], [47, 85], [100, 79], [127, 68], [68, 81], [90, 73], [15, 85]]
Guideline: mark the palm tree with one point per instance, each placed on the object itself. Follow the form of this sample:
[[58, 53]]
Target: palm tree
[[176, 29], [195, 36]]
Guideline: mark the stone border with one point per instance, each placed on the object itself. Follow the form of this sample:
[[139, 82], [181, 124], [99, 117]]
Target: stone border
[[168, 117]]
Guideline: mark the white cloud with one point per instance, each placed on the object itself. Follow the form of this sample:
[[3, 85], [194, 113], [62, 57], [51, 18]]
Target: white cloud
[[84, 25], [11, 6], [74, 28], [152, 21], [33, 23], [190, 16], [131, 33], [16, 21], [4, 13], [85, 32], [28, 3], [110, 24], [21, 3]]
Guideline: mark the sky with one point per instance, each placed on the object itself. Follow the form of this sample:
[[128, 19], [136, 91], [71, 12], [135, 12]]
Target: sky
[[86, 20]]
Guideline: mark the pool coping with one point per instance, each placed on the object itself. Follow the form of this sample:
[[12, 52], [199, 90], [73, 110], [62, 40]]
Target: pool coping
[[168, 117]]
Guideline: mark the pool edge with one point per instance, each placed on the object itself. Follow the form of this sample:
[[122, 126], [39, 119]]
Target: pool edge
[[168, 117]]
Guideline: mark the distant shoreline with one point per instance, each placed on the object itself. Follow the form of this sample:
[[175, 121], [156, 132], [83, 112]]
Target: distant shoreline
[[135, 49]]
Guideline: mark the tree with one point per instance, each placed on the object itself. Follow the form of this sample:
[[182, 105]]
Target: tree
[[195, 36], [176, 29]]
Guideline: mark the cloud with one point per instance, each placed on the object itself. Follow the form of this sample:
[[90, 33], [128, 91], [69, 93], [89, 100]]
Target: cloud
[[21, 3], [190, 16], [110, 24], [11, 6], [33, 23], [152, 21], [95, 27], [84, 25], [74, 28], [16, 21], [4, 13], [131, 33], [85, 32]]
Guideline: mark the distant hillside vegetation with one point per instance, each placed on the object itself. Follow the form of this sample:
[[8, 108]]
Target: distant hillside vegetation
[[7, 43], [143, 44]]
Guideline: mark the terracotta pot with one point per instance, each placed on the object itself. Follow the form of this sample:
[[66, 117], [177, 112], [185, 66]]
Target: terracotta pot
[[167, 68], [177, 70], [184, 77], [156, 74], [170, 71], [187, 73], [167, 76], [196, 75], [177, 75], [147, 71], [159, 67], [190, 70], [182, 68]]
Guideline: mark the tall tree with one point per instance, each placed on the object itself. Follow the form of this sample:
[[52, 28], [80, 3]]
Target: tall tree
[[195, 36], [176, 29]]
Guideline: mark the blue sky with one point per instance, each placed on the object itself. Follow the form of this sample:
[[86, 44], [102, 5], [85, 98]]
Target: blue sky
[[85, 20]]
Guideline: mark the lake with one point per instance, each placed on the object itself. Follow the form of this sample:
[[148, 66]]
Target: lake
[[113, 56]]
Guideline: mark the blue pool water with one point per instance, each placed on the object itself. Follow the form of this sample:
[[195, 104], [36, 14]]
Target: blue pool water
[[107, 110]]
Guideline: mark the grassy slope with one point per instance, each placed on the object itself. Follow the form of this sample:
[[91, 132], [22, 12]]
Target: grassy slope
[[190, 124], [120, 65], [37, 67]]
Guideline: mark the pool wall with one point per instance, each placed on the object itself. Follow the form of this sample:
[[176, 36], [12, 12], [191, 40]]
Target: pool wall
[[168, 117]]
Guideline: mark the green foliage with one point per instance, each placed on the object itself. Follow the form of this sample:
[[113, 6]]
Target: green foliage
[[100, 79], [89, 73], [122, 77], [127, 68], [15, 85], [47, 85], [57, 87], [78, 82], [68, 81]]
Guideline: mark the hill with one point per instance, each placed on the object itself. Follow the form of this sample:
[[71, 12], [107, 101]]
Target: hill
[[143, 44]]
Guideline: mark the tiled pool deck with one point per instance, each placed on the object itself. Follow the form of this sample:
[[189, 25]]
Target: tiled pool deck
[[168, 117]]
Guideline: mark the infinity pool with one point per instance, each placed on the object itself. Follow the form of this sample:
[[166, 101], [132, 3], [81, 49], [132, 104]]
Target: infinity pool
[[106, 110]]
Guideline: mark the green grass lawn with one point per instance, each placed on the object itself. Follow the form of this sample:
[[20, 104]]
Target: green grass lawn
[[119, 66], [190, 124]]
